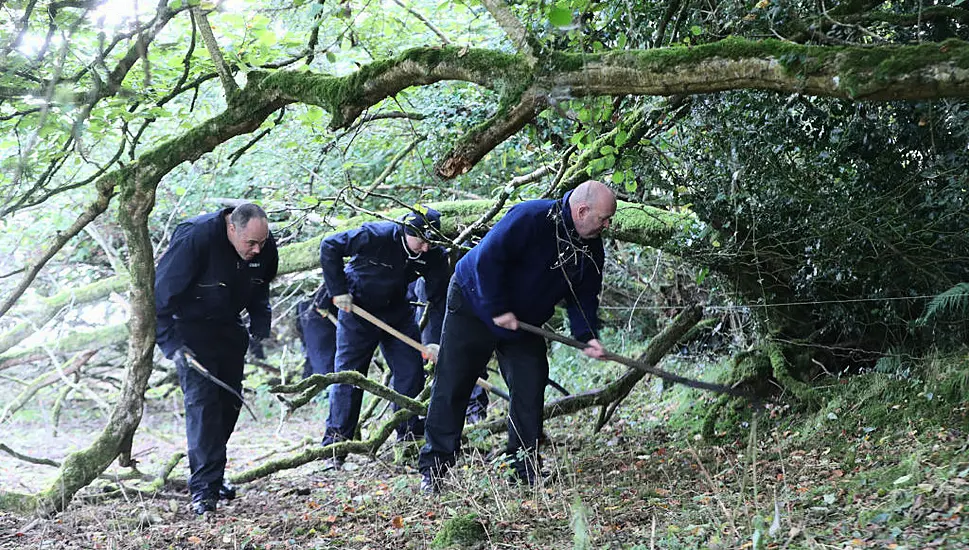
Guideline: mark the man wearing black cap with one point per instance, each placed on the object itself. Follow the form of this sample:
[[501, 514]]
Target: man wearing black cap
[[384, 258]]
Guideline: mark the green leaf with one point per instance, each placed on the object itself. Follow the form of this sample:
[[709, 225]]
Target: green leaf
[[702, 275], [618, 177], [560, 17], [158, 112], [331, 57], [175, 5], [621, 138], [313, 114], [231, 20], [695, 30], [622, 41], [266, 37], [631, 185]]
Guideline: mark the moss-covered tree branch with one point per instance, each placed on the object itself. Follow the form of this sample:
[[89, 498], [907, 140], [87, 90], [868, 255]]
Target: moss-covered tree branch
[[212, 45], [368, 446], [483, 139], [313, 385]]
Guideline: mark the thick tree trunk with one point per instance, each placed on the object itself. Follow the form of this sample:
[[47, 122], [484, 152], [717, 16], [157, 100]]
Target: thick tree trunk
[[79, 469]]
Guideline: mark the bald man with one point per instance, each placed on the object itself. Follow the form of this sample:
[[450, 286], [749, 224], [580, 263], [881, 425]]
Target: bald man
[[216, 265], [542, 252]]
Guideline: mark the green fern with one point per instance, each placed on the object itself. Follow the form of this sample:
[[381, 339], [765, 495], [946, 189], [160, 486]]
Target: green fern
[[952, 301]]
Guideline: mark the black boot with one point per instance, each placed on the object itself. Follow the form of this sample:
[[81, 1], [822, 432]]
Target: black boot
[[227, 491], [202, 503], [430, 484]]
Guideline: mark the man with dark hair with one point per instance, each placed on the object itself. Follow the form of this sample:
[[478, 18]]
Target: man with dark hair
[[540, 253], [384, 258], [216, 265]]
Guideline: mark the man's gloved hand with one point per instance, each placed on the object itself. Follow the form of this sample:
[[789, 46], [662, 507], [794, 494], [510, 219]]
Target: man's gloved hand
[[255, 348], [431, 353], [180, 357], [344, 302]]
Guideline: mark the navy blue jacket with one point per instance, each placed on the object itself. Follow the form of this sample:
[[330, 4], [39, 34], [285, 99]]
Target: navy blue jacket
[[201, 280], [380, 269], [531, 260]]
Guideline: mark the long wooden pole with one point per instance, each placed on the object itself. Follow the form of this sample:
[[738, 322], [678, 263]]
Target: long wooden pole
[[719, 388]]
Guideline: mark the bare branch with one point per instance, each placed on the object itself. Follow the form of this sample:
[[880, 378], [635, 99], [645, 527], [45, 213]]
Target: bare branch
[[427, 22], [212, 45], [237, 154], [514, 184], [41, 381], [309, 387], [28, 459], [105, 192], [391, 166], [512, 27], [366, 447]]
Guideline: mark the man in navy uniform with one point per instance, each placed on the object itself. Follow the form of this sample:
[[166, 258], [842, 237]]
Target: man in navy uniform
[[216, 265], [540, 253], [384, 258]]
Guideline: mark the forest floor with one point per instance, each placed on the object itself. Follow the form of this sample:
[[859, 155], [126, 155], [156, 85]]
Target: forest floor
[[831, 479]]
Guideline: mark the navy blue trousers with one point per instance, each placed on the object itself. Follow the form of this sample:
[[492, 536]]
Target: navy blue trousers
[[466, 347], [478, 406], [356, 341], [210, 411], [319, 340]]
